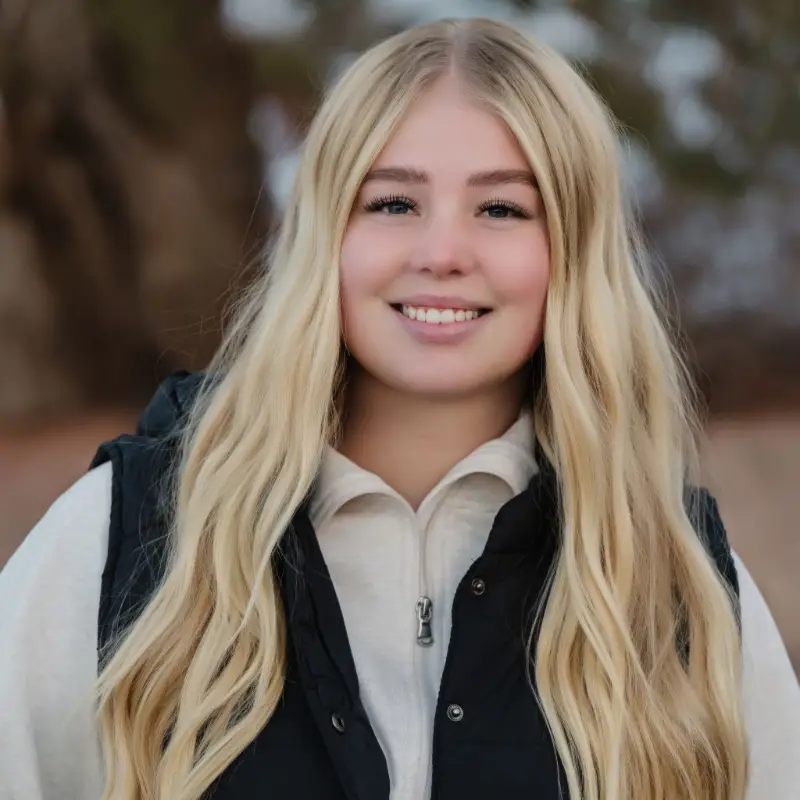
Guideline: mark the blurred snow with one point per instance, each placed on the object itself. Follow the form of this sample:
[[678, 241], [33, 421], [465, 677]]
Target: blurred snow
[[641, 173], [683, 60], [567, 31], [731, 152], [282, 171], [420, 11], [264, 17], [272, 131], [685, 57], [693, 123], [738, 250]]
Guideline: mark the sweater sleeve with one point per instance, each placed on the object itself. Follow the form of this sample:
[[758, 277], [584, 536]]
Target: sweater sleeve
[[49, 596], [771, 699]]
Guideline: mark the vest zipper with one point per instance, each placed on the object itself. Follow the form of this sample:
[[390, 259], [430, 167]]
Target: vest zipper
[[424, 615]]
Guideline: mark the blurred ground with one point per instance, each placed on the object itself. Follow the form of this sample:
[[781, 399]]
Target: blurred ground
[[753, 467], [36, 466]]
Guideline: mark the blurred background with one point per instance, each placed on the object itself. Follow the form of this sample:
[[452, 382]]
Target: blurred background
[[147, 147]]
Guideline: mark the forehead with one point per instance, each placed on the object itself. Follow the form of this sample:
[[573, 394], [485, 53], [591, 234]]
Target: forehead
[[446, 131]]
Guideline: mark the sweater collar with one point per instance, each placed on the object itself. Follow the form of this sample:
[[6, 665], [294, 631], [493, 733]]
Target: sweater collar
[[510, 458]]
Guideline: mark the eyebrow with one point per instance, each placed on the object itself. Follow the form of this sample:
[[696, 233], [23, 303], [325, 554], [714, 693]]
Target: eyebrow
[[494, 177]]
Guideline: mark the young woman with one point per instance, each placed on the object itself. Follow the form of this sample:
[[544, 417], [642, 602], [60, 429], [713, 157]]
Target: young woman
[[426, 528]]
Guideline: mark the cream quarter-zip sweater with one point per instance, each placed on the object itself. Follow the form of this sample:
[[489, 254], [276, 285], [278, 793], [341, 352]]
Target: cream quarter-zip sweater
[[382, 557]]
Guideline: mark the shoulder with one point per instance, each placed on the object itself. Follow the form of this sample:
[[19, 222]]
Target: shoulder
[[59, 564], [49, 594], [144, 469], [771, 697], [143, 462], [759, 629]]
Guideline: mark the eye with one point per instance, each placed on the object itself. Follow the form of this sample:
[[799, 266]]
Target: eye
[[395, 205], [503, 209]]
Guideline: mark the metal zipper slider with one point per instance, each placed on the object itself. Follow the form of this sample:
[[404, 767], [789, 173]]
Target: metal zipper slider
[[424, 614]]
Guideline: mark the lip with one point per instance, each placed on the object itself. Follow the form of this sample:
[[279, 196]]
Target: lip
[[444, 333], [440, 301]]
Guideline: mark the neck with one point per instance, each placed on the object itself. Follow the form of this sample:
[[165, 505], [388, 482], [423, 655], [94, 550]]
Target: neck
[[412, 441]]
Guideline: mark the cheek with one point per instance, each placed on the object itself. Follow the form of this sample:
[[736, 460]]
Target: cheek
[[367, 266], [354, 278], [519, 279], [521, 273], [367, 263]]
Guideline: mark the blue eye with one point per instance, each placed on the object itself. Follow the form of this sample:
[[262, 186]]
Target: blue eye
[[503, 209], [395, 205]]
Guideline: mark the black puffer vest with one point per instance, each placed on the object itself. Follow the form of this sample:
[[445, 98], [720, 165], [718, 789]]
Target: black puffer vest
[[490, 738]]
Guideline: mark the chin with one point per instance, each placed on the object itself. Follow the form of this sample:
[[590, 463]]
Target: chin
[[439, 385]]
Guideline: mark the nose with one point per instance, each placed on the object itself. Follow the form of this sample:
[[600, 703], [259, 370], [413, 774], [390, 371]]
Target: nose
[[443, 249]]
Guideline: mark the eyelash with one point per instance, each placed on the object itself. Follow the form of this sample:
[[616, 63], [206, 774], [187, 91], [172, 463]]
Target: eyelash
[[380, 202], [518, 210]]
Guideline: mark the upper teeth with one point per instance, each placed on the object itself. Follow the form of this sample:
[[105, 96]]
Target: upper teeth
[[439, 315]]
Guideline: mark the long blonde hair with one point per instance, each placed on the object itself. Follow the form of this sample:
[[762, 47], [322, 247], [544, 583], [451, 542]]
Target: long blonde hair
[[196, 678]]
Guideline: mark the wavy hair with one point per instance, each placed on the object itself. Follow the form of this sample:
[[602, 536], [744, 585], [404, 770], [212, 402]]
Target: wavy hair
[[631, 710]]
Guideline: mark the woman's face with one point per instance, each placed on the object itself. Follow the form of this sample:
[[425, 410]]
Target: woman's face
[[445, 260]]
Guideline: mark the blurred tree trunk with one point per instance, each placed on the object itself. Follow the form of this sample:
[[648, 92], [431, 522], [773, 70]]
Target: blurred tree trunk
[[129, 196]]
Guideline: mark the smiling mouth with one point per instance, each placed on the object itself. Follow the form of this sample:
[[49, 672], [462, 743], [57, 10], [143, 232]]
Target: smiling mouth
[[440, 316]]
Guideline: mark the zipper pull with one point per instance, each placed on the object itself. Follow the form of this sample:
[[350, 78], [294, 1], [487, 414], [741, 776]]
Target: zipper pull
[[424, 614]]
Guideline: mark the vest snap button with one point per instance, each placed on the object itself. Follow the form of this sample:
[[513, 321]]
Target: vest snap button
[[455, 713], [338, 722], [478, 586]]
